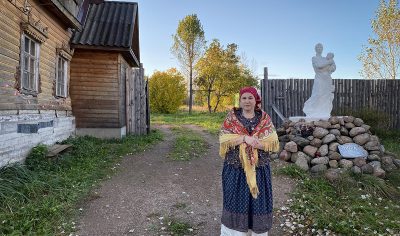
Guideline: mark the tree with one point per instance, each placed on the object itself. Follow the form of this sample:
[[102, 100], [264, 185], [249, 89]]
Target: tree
[[221, 74], [381, 58], [188, 46], [167, 91]]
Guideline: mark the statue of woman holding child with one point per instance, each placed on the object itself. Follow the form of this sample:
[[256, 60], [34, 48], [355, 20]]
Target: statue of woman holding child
[[319, 105]]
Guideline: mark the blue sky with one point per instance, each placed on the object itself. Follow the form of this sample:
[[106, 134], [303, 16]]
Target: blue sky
[[278, 34]]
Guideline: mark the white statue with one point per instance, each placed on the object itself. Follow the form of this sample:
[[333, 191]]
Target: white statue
[[319, 105]]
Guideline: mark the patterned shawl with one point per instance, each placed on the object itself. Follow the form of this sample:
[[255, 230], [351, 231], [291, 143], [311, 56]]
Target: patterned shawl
[[265, 131]]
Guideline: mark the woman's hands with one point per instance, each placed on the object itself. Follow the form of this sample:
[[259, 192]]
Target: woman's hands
[[252, 141]]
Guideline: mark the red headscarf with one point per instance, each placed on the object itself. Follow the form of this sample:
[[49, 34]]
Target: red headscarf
[[253, 91]]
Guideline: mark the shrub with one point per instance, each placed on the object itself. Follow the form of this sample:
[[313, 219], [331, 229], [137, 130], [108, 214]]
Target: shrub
[[167, 91]]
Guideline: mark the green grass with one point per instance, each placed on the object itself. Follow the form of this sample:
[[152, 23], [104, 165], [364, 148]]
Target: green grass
[[178, 227], [188, 144], [41, 197], [355, 205], [212, 122]]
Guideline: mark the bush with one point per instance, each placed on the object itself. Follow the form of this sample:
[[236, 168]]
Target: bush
[[167, 91]]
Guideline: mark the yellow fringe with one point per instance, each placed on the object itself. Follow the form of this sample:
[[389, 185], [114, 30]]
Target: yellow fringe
[[271, 144]]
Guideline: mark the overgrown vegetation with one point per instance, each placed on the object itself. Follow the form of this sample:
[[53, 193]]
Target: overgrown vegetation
[[188, 144], [211, 122], [355, 205], [40, 198]]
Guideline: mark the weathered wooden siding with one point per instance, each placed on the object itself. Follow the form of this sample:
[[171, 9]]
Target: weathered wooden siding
[[10, 42], [289, 96], [95, 89], [137, 109], [124, 72]]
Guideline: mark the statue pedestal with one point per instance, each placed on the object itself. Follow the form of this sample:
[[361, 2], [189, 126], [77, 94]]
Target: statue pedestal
[[307, 119]]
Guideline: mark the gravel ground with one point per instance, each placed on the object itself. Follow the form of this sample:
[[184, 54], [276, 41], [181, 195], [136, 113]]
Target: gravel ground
[[149, 191]]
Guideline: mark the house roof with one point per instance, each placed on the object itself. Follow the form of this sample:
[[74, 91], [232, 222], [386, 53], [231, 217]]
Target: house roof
[[110, 26]]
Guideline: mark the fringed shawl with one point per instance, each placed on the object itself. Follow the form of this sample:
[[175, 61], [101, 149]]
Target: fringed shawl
[[232, 128]]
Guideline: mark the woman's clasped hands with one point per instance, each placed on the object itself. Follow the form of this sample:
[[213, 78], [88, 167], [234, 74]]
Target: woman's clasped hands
[[252, 141]]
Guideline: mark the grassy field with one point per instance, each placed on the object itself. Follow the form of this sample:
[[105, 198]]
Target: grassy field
[[42, 197]]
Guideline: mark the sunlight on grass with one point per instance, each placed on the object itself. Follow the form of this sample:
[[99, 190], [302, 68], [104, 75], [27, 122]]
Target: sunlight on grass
[[188, 144], [211, 122]]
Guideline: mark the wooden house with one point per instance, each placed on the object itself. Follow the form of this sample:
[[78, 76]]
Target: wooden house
[[35, 55], [107, 87]]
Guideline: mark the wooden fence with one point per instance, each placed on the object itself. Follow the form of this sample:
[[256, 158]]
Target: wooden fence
[[138, 115], [288, 97]]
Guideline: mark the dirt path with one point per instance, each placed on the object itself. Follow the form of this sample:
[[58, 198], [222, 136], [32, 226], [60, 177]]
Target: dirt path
[[151, 191]]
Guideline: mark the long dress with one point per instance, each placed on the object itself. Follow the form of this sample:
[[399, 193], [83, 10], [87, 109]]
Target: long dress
[[241, 212]]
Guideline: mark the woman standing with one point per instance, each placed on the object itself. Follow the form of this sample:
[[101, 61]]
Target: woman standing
[[246, 139]]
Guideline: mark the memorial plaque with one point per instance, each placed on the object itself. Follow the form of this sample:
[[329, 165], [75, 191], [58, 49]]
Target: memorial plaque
[[352, 150]]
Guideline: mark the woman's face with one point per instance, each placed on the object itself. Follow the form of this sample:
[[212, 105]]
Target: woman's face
[[247, 102], [318, 48]]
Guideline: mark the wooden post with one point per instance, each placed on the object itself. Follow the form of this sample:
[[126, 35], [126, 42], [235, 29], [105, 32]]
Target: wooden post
[[264, 91]]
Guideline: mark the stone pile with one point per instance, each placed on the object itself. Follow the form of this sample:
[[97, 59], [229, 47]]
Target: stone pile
[[314, 145]]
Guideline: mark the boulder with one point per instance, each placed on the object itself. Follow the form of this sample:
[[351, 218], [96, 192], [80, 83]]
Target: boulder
[[379, 172], [333, 164], [344, 131], [310, 138], [362, 139], [320, 132], [310, 150], [366, 127], [348, 119], [367, 169], [316, 142], [329, 138], [320, 160], [345, 163], [387, 163], [349, 125], [318, 168], [337, 126], [335, 156], [372, 146], [344, 139], [335, 132], [358, 122], [375, 164], [322, 123], [359, 161], [302, 163], [323, 150], [291, 147], [302, 142], [334, 120], [333, 147], [373, 157], [285, 155], [356, 131]]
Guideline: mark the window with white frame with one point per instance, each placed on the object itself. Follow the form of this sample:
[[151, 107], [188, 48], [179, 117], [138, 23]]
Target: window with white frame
[[29, 65], [61, 77]]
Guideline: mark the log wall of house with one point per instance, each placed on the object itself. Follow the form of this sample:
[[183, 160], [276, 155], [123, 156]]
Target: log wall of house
[[11, 17], [96, 89], [27, 120]]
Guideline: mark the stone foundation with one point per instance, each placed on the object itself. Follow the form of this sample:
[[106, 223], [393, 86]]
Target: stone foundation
[[20, 131]]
